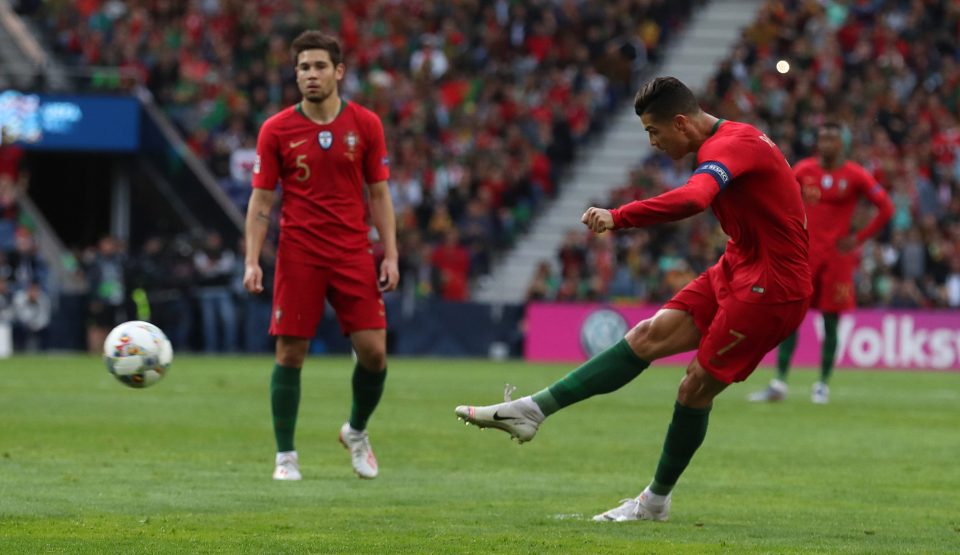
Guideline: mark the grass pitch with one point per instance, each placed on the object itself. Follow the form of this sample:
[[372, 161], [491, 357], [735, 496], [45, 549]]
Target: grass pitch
[[90, 466]]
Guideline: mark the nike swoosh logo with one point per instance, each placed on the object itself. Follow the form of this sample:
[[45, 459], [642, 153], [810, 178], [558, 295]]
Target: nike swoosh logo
[[295, 144], [496, 416]]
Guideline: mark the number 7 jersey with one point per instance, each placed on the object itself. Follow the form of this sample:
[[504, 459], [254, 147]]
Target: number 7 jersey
[[322, 170]]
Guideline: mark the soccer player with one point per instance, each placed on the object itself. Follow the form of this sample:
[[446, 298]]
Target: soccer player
[[733, 314], [831, 186], [322, 151]]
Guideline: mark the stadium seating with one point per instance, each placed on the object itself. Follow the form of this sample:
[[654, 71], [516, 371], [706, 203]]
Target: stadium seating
[[890, 72]]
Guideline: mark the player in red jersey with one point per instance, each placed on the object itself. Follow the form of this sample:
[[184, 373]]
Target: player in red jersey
[[831, 187], [733, 314], [322, 151]]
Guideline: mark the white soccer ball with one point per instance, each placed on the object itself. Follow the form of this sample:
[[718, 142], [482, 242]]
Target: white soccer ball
[[137, 353]]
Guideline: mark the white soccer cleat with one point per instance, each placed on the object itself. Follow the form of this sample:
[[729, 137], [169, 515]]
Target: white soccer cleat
[[820, 394], [361, 453], [519, 418], [776, 391], [288, 468], [638, 508]]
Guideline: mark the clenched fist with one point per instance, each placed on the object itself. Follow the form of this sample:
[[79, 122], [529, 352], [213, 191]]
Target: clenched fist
[[597, 219]]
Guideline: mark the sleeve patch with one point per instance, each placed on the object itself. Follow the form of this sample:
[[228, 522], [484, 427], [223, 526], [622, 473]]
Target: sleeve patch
[[717, 171]]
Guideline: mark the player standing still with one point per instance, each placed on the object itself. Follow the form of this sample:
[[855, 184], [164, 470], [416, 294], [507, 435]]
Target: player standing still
[[733, 314], [322, 151], [831, 186]]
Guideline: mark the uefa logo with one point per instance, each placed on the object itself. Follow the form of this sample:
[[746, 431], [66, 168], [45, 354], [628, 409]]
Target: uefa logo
[[601, 329]]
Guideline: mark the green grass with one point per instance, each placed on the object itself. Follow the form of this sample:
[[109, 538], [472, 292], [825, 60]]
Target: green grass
[[89, 466]]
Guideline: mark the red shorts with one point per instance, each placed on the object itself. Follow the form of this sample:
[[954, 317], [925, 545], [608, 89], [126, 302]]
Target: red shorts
[[734, 335], [299, 292], [833, 282]]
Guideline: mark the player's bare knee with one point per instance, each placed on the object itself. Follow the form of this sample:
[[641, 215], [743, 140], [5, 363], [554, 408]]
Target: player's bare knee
[[291, 353], [373, 358], [698, 388], [290, 360]]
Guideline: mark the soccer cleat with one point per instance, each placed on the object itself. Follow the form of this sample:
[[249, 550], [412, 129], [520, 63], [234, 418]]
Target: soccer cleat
[[361, 454], [638, 508], [820, 394], [776, 391], [288, 468], [519, 418]]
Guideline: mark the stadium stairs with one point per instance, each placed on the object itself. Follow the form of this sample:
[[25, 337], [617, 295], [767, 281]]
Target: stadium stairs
[[163, 168], [605, 164]]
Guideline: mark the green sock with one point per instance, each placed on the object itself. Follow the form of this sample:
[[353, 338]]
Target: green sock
[[606, 372], [367, 389], [829, 347], [284, 401], [684, 436], [784, 354]]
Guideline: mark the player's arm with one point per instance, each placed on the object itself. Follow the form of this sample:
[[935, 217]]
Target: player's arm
[[376, 170], [879, 198], [255, 232], [266, 171], [680, 203], [382, 215]]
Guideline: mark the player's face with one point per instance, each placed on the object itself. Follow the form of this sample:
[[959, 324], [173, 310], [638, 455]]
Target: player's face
[[668, 136], [316, 75], [829, 143]]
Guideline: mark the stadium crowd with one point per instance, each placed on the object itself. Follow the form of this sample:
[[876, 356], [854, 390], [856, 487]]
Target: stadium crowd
[[25, 306], [890, 72], [483, 102]]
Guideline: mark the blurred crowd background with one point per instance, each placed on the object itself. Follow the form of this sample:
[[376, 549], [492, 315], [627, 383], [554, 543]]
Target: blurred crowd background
[[485, 104], [890, 72]]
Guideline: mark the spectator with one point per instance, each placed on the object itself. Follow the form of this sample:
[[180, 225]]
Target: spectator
[[215, 266], [544, 284], [32, 312], [107, 291], [153, 271], [452, 261]]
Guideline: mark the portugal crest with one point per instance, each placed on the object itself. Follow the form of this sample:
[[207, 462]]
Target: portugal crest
[[325, 138], [351, 141]]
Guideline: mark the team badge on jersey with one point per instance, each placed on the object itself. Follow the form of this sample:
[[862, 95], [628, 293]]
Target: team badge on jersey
[[352, 141], [827, 181], [325, 138]]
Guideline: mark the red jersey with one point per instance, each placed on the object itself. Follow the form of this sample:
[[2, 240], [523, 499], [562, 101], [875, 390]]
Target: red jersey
[[322, 170], [831, 197], [744, 177]]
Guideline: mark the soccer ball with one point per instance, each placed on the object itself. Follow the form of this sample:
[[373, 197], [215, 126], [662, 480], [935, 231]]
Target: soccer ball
[[137, 353]]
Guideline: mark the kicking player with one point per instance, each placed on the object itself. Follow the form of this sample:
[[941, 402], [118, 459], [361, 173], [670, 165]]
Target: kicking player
[[831, 186], [322, 151], [733, 314]]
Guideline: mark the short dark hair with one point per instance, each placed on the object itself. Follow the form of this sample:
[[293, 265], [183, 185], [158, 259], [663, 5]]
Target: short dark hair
[[317, 40], [664, 97]]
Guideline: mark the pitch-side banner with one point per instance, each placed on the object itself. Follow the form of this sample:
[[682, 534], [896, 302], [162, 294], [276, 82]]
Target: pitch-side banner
[[867, 338]]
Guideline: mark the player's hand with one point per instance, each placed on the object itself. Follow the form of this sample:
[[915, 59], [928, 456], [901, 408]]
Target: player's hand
[[253, 278], [597, 219], [847, 244], [389, 275]]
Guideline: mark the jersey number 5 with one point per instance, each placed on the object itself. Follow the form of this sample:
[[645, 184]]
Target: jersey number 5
[[302, 165]]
